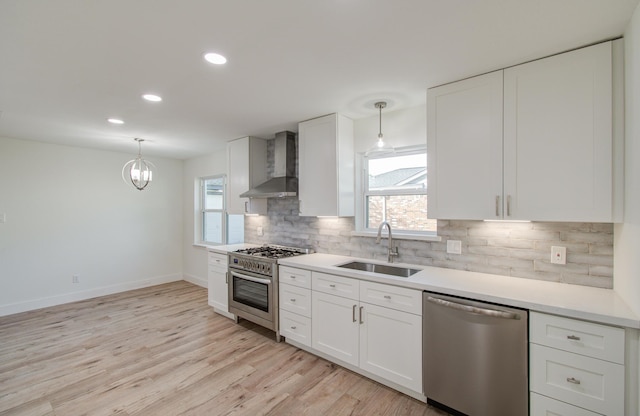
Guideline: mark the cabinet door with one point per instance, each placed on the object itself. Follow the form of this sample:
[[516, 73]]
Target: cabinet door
[[391, 345], [334, 326], [326, 166], [246, 168], [464, 149], [558, 137], [218, 289]]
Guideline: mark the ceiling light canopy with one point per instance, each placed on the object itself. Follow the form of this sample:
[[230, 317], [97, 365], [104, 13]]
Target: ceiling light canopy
[[381, 148], [215, 58], [152, 97], [138, 172]]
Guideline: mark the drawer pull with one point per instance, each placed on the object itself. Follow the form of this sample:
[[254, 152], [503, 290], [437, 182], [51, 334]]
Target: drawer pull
[[332, 286], [573, 380], [361, 319], [354, 313], [293, 327], [387, 297], [292, 299], [573, 338], [292, 277]]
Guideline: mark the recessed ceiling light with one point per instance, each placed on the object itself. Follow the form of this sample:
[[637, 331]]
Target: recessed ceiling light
[[215, 58], [152, 97], [115, 121]]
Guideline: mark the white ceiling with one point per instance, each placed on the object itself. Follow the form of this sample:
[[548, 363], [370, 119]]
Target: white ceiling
[[68, 65]]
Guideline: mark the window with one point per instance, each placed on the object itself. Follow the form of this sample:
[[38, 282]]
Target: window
[[395, 190], [217, 227]]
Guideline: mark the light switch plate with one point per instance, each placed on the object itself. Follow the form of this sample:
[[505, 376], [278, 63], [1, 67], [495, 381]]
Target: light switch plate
[[558, 255], [260, 231], [454, 246]]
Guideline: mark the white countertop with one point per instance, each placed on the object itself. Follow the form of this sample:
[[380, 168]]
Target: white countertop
[[589, 303], [230, 247]]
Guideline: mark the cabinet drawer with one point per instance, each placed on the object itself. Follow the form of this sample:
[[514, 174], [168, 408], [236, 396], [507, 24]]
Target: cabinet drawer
[[399, 298], [295, 327], [544, 406], [586, 382], [216, 259], [335, 285], [586, 338], [295, 277], [295, 299]]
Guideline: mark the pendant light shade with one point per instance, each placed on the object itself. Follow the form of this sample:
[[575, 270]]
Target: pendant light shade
[[381, 148], [138, 172]]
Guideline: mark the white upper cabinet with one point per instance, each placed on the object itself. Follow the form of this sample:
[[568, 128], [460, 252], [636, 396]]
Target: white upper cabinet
[[247, 167], [326, 166], [532, 142], [558, 137], [464, 148]]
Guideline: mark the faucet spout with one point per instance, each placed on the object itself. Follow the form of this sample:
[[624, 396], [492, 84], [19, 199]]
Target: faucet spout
[[391, 251]]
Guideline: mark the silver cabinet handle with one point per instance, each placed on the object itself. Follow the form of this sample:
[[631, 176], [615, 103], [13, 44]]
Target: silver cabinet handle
[[226, 278], [293, 327], [472, 309], [387, 297], [292, 300], [573, 380], [508, 205], [573, 338], [333, 286], [292, 277], [354, 312], [246, 207], [497, 205], [361, 320]]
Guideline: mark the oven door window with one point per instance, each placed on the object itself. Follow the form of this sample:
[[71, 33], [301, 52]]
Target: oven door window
[[250, 293]]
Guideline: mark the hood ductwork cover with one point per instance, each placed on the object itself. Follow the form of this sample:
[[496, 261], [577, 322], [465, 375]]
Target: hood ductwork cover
[[284, 183]]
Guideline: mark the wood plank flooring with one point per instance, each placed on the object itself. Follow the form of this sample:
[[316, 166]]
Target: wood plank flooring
[[163, 351]]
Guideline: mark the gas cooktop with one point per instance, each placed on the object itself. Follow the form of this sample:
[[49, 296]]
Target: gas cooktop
[[270, 251]]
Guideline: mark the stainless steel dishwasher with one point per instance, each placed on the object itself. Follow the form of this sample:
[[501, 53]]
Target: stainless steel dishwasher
[[475, 357]]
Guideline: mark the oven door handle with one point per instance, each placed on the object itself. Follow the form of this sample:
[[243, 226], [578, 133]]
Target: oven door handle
[[250, 278]]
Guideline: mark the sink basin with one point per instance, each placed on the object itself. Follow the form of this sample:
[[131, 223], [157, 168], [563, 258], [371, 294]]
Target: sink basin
[[380, 268]]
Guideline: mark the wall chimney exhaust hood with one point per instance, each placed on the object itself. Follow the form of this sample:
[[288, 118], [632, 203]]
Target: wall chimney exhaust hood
[[284, 183]]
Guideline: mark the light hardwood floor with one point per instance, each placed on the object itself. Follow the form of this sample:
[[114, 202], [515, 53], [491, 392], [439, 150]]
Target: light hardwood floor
[[163, 351]]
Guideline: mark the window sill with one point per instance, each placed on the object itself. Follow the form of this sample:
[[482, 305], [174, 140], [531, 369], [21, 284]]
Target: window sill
[[397, 236]]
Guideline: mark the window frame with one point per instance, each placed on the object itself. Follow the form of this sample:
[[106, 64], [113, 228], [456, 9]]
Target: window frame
[[363, 193], [204, 211]]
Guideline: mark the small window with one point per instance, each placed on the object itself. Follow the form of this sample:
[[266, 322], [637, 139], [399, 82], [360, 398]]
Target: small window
[[213, 210], [396, 191]]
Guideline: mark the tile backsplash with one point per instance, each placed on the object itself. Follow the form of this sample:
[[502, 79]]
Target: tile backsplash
[[512, 249]]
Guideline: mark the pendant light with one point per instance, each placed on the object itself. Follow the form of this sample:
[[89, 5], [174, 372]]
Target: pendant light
[[138, 172], [381, 148]]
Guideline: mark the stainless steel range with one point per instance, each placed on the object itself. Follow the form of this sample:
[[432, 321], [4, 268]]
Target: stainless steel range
[[253, 283]]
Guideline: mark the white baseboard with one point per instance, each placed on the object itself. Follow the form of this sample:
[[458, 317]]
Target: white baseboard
[[196, 280], [86, 294]]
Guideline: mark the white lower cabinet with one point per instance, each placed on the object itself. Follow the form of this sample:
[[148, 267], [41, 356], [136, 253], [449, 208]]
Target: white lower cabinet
[[218, 283], [294, 294], [567, 369], [376, 338], [544, 406]]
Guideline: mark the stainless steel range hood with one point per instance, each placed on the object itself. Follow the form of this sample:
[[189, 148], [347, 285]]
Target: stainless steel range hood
[[284, 183]]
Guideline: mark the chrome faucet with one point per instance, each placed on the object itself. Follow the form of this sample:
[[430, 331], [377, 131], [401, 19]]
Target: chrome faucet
[[391, 251]]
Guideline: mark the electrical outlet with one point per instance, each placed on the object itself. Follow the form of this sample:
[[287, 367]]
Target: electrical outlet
[[260, 231], [75, 279], [454, 246], [558, 255]]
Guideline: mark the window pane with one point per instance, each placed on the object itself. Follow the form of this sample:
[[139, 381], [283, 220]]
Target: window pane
[[212, 227], [398, 172], [403, 212], [214, 193]]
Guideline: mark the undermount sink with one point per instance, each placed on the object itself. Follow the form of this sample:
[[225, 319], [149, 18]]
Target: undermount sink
[[380, 268]]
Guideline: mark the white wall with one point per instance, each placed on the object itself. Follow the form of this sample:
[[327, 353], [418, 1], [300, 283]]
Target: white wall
[[627, 235], [195, 257], [68, 212]]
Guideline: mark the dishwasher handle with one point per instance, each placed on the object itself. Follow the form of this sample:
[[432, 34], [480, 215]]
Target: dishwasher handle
[[474, 310]]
